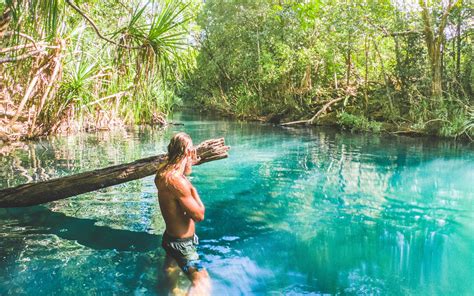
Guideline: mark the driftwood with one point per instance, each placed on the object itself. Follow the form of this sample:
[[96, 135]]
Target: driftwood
[[315, 116], [60, 188]]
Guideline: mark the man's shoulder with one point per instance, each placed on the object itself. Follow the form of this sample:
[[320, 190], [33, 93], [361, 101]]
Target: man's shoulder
[[174, 183]]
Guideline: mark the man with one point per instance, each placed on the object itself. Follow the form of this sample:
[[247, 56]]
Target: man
[[181, 208]]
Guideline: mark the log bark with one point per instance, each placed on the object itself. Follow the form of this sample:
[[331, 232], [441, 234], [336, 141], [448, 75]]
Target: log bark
[[42, 192]]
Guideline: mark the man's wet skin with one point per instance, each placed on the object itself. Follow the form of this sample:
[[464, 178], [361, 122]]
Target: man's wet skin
[[181, 208], [178, 204]]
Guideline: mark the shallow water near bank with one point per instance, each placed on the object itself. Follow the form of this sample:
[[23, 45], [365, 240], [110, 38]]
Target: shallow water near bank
[[291, 211]]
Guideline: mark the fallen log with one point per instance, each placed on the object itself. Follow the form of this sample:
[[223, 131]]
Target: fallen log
[[41, 192]]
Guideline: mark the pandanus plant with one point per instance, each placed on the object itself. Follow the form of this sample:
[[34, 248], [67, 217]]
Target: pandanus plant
[[146, 47]]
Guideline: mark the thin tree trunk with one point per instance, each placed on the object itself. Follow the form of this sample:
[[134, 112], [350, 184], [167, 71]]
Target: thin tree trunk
[[51, 82], [458, 45], [436, 86], [366, 96], [259, 86], [399, 65], [348, 66], [441, 59], [390, 101]]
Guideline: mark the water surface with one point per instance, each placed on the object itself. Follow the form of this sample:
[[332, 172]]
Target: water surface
[[291, 211]]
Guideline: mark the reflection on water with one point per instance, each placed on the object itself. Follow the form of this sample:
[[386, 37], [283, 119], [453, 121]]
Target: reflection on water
[[291, 211]]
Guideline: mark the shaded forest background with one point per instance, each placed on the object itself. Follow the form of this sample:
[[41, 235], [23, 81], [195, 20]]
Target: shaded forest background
[[391, 65]]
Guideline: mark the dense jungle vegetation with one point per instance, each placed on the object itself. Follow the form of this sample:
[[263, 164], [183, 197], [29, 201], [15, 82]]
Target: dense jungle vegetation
[[404, 66], [74, 65], [406, 63]]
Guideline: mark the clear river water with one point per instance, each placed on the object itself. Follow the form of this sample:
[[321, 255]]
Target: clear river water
[[290, 212]]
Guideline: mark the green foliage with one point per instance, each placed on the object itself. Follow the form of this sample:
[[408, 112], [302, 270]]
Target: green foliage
[[461, 124], [358, 123], [286, 59], [151, 99], [279, 60], [133, 75]]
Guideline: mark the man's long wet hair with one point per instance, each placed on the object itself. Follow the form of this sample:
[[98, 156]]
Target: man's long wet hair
[[178, 148]]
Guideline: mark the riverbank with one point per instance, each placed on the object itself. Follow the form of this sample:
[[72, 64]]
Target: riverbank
[[355, 123], [329, 116], [22, 125]]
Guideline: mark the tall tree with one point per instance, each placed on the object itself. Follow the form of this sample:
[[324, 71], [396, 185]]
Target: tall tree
[[434, 38]]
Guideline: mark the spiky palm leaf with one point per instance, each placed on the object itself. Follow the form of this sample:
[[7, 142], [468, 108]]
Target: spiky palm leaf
[[144, 55]]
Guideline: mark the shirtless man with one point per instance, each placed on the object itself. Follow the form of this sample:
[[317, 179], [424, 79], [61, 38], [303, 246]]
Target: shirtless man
[[181, 208]]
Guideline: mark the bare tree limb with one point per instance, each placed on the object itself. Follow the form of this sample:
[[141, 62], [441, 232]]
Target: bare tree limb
[[22, 57], [119, 94], [29, 38], [387, 33], [52, 80], [315, 116], [94, 26], [41, 45], [402, 33], [17, 47], [28, 92]]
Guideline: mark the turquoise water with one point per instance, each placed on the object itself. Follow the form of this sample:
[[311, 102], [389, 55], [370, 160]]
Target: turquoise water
[[291, 211]]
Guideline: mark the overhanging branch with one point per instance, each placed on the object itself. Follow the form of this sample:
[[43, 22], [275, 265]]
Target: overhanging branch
[[91, 22]]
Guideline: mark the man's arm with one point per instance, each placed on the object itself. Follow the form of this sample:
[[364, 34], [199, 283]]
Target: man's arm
[[182, 190], [195, 195]]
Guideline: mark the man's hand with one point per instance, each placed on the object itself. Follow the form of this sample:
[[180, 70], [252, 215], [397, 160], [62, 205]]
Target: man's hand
[[194, 157], [211, 150]]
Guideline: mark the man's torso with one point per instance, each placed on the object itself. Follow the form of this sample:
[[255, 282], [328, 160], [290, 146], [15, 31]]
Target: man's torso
[[177, 223]]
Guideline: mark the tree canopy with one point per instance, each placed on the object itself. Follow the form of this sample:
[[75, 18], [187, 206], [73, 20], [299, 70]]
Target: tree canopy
[[400, 62], [396, 65]]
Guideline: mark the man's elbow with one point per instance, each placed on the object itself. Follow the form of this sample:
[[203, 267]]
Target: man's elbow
[[199, 217]]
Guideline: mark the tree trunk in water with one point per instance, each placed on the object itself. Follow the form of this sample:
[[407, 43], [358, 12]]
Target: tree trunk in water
[[37, 193]]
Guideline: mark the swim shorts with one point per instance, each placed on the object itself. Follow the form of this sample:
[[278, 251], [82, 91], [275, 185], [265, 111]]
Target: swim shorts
[[183, 250]]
